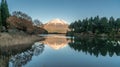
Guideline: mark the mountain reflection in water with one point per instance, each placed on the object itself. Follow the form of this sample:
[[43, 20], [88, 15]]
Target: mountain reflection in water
[[56, 42]]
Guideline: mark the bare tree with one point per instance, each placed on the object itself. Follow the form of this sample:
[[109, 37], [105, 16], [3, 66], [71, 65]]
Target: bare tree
[[37, 23], [22, 15]]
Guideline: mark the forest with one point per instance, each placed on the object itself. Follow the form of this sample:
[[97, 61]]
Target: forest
[[96, 25]]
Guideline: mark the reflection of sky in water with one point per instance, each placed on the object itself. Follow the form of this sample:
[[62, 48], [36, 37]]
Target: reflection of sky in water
[[67, 56]]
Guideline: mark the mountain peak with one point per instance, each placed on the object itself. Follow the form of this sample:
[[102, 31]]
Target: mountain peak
[[57, 21]]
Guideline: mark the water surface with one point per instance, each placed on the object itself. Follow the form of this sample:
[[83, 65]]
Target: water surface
[[62, 51]]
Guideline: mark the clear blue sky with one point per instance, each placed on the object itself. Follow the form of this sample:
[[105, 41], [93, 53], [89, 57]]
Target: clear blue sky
[[68, 10]]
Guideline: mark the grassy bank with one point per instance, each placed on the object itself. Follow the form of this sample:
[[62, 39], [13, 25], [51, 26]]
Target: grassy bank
[[7, 39]]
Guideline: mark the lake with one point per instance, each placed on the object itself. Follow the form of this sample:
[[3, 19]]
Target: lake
[[64, 51]]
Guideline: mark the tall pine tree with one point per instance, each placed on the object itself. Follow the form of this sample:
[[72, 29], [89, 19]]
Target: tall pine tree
[[4, 13], [0, 20]]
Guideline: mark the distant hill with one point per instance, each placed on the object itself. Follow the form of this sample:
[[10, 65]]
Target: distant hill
[[56, 26]]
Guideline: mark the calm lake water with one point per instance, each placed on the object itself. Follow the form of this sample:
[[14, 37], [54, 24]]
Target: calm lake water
[[62, 51]]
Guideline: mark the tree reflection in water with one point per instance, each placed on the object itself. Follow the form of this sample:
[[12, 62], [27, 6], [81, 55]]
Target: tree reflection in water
[[97, 46], [23, 58]]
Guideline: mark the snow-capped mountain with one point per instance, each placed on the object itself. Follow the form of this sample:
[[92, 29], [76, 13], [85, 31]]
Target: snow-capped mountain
[[56, 26]]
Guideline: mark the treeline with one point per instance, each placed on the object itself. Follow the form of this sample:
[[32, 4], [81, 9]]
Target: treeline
[[96, 25]]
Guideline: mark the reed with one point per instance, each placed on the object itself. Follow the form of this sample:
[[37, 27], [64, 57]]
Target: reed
[[7, 39]]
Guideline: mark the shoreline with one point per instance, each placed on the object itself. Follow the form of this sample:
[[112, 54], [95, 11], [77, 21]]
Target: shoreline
[[94, 35], [7, 39], [15, 43]]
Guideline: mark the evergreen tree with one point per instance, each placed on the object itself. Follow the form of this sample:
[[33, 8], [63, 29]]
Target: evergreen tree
[[0, 21], [117, 25], [112, 22], [104, 23], [4, 12], [90, 27]]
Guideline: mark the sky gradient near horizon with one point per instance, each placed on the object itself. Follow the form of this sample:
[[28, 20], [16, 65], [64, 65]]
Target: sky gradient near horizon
[[68, 10]]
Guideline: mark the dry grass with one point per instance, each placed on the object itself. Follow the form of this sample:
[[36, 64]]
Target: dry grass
[[11, 44], [16, 39]]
